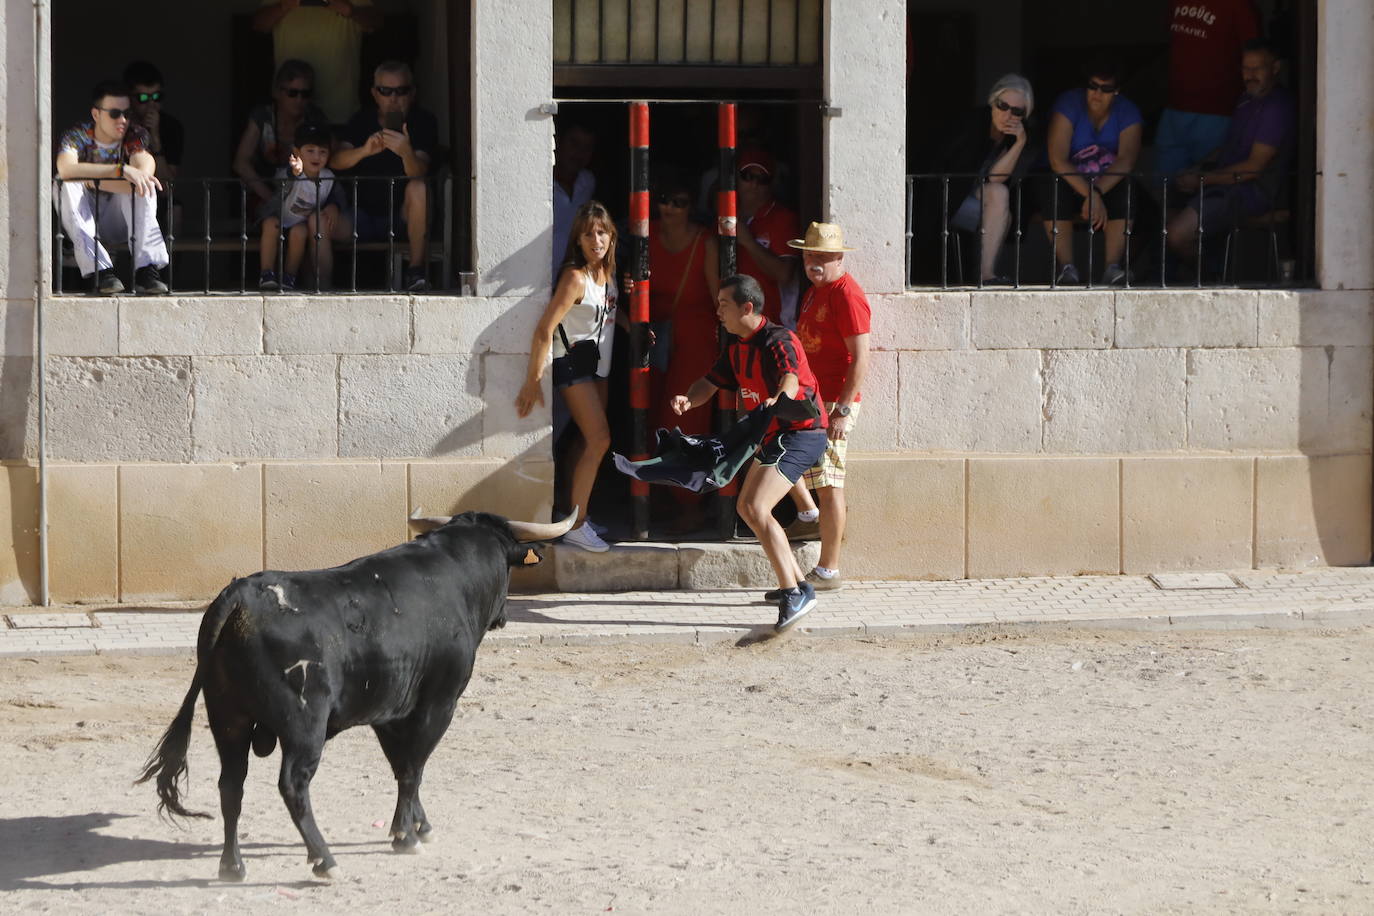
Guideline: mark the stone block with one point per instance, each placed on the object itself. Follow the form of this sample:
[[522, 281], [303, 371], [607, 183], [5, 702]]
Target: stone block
[[83, 532], [1316, 318], [1186, 513], [920, 321], [187, 530], [1186, 318], [18, 407], [970, 401], [1115, 400], [471, 325], [1256, 399], [1042, 320], [1043, 517], [876, 429], [906, 518], [85, 326], [336, 324], [266, 407], [193, 326], [504, 434], [1312, 511], [409, 406], [119, 409], [16, 327], [1350, 400], [520, 488], [323, 514], [625, 567], [19, 574], [706, 566]]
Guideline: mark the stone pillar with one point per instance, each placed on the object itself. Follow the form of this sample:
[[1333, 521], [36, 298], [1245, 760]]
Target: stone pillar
[[1345, 144], [512, 77], [865, 67]]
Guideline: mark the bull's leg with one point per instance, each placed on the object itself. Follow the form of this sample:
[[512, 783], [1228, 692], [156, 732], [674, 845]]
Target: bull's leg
[[300, 757], [407, 745], [233, 769]]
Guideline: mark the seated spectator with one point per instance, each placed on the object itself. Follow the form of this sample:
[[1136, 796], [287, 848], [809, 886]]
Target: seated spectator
[[166, 136], [296, 210], [1093, 144], [1252, 163], [120, 205], [992, 146], [270, 135], [394, 139]]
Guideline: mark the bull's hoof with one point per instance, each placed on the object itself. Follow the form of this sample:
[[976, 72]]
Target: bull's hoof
[[232, 872], [407, 844], [328, 871], [424, 832]]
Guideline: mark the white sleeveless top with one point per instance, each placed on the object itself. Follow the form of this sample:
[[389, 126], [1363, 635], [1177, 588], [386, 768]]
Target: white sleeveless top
[[594, 312]]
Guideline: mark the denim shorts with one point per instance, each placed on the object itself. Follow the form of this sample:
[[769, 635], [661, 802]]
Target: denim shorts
[[793, 452]]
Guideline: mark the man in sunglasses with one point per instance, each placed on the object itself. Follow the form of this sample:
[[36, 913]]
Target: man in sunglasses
[[395, 139], [107, 188], [166, 136]]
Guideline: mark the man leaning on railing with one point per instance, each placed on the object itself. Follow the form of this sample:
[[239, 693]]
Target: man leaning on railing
[[108, 188]]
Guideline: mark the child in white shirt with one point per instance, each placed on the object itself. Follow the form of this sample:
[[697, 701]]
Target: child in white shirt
[[293, 213]]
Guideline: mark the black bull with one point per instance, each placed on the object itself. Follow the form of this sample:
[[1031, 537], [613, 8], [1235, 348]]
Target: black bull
[[387, 640]]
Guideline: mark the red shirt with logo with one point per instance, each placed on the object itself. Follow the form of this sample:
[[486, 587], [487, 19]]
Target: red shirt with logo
[[772, 227], [1204, 53], [755, 365], [829, 314]]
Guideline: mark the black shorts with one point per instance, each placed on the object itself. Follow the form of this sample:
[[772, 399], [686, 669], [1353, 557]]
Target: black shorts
[[793, 452], [1071, 202]]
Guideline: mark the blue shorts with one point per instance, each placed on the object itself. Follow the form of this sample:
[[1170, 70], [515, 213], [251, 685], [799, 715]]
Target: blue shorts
[[793, 452]]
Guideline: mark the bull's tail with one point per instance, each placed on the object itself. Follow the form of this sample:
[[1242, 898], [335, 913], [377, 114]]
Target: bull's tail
[[168, 760]]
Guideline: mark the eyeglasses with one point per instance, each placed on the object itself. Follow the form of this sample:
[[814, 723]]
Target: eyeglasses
[[1107, 88], [394, 90], [754, 176], [1016, 110], [142, 97], [297, 93], [680, 201], [118, 114]]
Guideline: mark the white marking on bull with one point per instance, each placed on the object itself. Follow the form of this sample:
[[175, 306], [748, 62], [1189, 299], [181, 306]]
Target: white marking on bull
[[281, 598], [304, 665]]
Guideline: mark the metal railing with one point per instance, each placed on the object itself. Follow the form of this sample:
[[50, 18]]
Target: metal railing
[[229, 229], [943, 255]]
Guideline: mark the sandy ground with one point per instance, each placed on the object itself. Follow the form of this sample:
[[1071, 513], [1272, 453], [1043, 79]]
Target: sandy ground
[[994, 772]]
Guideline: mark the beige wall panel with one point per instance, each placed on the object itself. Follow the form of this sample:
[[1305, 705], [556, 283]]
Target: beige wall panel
[[1257, 399], [877, 428], [320, 515], [971, 400], [1186, 513], [1186, 318], [520, 489], [920, 321], [1316, 318], [186, 530], [119, 408], [1019, 321], [18, 407], [81, 326], [191, 326], [1312, 511], [1115, 401], [1043, 517], [906, 518], [19, 537], [83, 532]]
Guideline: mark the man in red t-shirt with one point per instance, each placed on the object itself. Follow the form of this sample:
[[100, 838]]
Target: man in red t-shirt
[[1205, 40], [767, 225], [763, 362], [833, 324]]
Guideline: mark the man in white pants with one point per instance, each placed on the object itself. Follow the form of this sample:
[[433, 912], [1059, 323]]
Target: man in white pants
[[124, 206]]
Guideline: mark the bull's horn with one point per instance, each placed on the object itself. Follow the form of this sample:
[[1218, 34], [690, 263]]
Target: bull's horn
[[532, 531]]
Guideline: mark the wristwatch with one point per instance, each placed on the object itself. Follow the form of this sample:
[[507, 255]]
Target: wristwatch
[[841, 409]]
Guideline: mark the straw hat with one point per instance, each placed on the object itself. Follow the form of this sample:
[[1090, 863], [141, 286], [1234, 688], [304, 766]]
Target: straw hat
[[821, 237]]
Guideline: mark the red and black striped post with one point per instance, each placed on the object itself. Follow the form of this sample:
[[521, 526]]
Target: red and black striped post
[[639, 309], [725, 227]]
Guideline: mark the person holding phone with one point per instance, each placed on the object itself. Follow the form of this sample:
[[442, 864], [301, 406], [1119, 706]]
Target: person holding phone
[[327, 34], [393, 139]]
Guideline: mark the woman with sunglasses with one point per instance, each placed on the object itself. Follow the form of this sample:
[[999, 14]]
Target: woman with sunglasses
[[267, 140], [986, 163], [1094, 141]]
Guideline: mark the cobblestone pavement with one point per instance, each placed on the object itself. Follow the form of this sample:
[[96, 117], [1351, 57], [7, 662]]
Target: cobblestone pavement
[[1321, 597]]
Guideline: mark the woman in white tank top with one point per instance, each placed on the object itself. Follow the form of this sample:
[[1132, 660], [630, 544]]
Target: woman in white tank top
[[579, 322]]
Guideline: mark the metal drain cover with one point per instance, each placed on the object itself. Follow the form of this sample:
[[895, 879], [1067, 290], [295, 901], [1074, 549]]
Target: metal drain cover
[[1176, 581]]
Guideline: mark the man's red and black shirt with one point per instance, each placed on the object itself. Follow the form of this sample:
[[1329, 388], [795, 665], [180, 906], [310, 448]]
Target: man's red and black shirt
[[755, 365]]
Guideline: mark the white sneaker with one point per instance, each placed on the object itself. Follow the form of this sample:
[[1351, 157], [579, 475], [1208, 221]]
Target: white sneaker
[[585, 536]]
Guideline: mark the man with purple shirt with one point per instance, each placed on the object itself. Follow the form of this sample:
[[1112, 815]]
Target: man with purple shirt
[[1252, 162]]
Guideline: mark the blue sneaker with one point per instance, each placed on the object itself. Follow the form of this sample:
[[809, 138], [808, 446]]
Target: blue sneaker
[[794, 605]]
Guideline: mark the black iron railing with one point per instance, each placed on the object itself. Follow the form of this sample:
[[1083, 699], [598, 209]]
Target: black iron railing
[[226, 239], [947, 234]]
